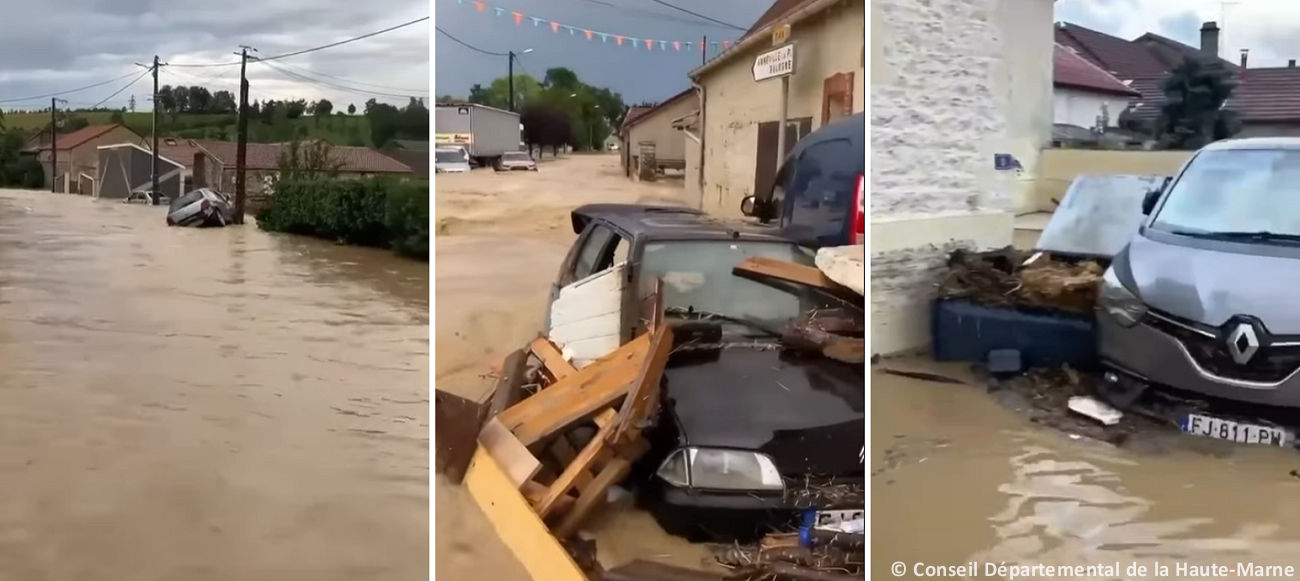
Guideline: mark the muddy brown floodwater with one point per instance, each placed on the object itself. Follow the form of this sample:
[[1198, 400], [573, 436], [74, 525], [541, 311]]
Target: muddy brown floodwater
[[225, 405]]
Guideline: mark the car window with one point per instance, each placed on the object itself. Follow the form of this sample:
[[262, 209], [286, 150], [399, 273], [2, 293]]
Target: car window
[[827, 173], [621, 249], [593, 247], [448, 156], [1235, 190]]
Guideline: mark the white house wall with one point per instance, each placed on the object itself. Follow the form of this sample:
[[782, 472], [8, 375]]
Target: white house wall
[[825, 45], [1082, 108], [954, 83]]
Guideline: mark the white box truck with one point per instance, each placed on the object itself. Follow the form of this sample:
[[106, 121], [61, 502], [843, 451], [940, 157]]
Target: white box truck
[[487, 132]]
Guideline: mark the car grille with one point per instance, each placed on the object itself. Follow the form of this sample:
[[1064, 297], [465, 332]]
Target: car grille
[[1270, 364]]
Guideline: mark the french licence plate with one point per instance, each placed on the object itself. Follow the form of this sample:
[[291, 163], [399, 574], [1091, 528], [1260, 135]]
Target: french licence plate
[[834, 517], [1221, 429]]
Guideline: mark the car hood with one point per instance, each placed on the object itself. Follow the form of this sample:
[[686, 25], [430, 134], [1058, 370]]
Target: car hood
[[1209, 281], [806, 412]]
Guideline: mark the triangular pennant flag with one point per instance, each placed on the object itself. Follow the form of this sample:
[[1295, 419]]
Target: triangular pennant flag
[[726, 44], [461, 2], [479, 6], [619, 40], [555, 27], [687, 44], [536, 20], [588, 34], [519, 18], [649, 44], [571, 29], [661, 46], [604, 38], [634, 41], [499, 11], [677, 45]]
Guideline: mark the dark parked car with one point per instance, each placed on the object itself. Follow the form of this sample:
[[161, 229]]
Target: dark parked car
[[746, 424], [818, 197]]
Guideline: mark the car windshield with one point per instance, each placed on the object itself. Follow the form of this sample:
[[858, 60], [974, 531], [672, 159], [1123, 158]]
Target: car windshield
[[1235, 191], [698, 275], [448, 157], [516, 157]]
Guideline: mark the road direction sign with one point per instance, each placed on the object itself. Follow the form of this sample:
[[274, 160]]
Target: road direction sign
[[778, 62]]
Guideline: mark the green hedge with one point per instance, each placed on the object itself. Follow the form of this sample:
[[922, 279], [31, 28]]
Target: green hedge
[[378, 212]]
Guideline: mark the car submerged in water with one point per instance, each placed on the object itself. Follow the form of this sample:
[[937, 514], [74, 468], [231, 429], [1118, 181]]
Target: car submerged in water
[[1200, 298], [202, 208], [750, 429]]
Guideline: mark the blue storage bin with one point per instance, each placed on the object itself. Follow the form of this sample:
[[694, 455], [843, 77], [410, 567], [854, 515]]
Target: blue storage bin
[[961, 330]]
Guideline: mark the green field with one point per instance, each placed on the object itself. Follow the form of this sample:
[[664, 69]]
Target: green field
[[337, 129]]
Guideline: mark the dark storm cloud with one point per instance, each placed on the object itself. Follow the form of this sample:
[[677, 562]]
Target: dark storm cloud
[[56, 45], [636, 73]]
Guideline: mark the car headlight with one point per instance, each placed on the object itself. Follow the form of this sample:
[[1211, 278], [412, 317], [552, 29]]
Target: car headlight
[[718, 469], [1118, 302]]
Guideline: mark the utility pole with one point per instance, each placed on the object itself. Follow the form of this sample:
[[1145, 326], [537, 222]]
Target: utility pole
[[241, 147], [54, 144], [156, 189], [704, 50], [510, 78]]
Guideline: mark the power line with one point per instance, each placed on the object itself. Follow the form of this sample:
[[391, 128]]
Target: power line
[[310, 72], [466, 44], [307, 50], [124, 87], [656, 15], [698, 15], [307, 79], [76, 90]]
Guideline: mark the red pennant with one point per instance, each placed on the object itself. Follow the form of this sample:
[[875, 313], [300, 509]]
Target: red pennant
[[619, 40], [480, 6], [649, 44], [677, 45], [519, 18], [701, 47], [555, 27], [588, 33], [726, 44]]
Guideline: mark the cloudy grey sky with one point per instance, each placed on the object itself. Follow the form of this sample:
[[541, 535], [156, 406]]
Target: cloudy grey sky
[[55, 45], [1269, 28], [633, 71]]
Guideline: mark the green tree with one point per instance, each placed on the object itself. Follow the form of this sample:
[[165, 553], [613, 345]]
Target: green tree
[[352, 109], [1194, 113], [322, 110]]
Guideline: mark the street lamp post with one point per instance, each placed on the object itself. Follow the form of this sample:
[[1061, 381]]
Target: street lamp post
[[510, 78]]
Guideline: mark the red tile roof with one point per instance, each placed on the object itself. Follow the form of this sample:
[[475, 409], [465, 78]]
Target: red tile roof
[[264, 156], [1073, 71], [1112, 53], [1268, 95], [80, 137]]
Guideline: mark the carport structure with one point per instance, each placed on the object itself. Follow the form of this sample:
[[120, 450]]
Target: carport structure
[[125, 169]]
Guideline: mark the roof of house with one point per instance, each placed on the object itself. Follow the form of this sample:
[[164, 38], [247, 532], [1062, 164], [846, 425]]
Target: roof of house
[[1112, 53], [648, 112], [1073, 71], [779, 10], [631, 115], [264, 156], [411, 145], [776, 10], [81, 136], [1268, 94], [418, 161], [181, 150]]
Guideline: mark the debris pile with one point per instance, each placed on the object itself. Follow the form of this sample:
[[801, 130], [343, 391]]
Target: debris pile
[[832, 552], [1011, 278]]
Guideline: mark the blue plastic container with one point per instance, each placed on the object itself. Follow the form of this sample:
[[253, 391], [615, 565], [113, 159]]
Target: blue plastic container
[[961, 330]]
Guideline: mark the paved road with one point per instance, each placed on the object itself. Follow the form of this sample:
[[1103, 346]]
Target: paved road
[[197, 405]]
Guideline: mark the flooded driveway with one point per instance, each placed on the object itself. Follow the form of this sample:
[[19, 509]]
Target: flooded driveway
[[182, 404]]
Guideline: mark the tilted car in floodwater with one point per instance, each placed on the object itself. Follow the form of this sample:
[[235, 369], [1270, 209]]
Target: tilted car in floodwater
[[748, 426], [201, 208]]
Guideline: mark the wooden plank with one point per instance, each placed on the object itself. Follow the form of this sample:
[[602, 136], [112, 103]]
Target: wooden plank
[[592, 497], [788, 271], [519, 464], [580, 465], [584, 353], [535, 492], [587, 328], [577, 397], [643, 399], [510, 385], [516, 524], [457, 423], [551, 358]]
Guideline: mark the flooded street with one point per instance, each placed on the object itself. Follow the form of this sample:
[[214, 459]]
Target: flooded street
[[187, 404]]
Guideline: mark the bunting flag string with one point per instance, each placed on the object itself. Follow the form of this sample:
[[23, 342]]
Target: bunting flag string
[[648, 44]]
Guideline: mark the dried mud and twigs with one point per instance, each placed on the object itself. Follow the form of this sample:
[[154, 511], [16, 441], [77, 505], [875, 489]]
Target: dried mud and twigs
[[835, 333], [786, 560], [1001, 278]]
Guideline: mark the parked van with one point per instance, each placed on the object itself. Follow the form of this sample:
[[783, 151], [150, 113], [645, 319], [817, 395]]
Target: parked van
[[818, 197]]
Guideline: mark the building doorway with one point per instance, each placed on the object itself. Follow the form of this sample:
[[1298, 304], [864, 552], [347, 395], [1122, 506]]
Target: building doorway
[[765, 165]]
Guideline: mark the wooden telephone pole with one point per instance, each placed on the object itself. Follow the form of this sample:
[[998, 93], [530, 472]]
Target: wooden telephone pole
[[156, 190], [54, 144], [241, 147]]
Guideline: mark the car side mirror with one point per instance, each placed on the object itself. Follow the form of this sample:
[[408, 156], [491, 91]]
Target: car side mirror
[[1153, 196], [747, 206]]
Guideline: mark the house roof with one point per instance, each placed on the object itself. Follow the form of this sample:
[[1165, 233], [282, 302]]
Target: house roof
[[776, 10], [789, 11], [264, 156], [81, 136], [181, 150], [1268, 94], [1073, 71], [411, 145], [631, 116], [1112, 53], [646, 113], [418, 161]]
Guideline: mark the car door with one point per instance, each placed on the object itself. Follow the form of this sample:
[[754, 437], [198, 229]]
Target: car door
[[591, 297], [819, 197]]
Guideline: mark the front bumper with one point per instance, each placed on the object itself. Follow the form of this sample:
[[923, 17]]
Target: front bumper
[[702, 516], [1150, 354]]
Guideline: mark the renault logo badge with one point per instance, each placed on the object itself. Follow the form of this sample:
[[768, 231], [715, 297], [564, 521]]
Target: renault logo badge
[[1243, 343]]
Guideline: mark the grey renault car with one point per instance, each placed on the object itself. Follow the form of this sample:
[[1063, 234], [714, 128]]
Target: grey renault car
[[1203, 297]]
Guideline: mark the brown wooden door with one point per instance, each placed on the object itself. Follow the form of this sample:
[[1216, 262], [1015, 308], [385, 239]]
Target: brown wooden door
[[765, 164]]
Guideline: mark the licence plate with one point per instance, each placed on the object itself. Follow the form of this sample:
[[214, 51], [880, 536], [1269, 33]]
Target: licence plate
[[1221, 429], [833, 517]]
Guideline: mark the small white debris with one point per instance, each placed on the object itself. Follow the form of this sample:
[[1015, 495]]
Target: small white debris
[[1095, 409], [1032, 259]]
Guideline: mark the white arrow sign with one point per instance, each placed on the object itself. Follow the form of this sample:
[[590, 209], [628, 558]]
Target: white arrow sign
[[774, 63]]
